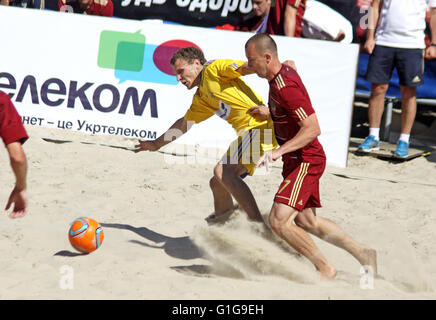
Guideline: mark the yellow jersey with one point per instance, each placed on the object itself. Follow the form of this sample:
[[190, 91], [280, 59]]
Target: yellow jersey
[[222, 92]]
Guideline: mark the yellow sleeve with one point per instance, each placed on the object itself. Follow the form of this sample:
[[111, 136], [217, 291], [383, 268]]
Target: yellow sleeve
[[224, 68], [199, 110]]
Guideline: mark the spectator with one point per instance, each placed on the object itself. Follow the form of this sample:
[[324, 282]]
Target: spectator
[[261, 9], [319, 22], [286, 18], [397, 43], [14, 135], [255, 21], [34, 4], [91, 7]]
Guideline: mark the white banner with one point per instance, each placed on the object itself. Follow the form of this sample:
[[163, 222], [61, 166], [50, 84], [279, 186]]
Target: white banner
[[111, 76]]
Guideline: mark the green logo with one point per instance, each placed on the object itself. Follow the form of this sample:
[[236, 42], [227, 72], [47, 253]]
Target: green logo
[[121, 50]]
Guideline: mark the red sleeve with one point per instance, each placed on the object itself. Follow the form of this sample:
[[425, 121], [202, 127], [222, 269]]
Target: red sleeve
[[294, 3], [297, 102], [11, 125], [108, 9], [60, 4]]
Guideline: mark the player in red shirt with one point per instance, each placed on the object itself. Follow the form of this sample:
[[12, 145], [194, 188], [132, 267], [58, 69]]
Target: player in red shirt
[[296, 127], [14, 135], [286, 18], [91, 7]]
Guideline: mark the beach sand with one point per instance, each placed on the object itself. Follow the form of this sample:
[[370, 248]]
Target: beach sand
[[157, 245]]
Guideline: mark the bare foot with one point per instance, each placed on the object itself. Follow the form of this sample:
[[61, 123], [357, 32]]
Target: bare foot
[[220, 218], [328, 272], [368, 258]]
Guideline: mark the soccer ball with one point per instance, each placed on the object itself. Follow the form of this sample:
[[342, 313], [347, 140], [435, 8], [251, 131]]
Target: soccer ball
[[85, 235]]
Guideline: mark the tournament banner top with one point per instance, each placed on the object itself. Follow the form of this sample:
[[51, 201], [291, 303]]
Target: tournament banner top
[[205, 13], [202, 13]]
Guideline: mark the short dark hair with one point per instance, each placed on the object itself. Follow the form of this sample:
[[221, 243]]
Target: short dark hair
[[263, 42], [189, 54]]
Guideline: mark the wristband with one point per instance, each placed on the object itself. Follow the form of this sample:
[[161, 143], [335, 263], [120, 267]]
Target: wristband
[[433, 44]]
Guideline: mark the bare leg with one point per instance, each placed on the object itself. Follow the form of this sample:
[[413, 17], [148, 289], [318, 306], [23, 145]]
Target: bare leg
[[282, 222], [408, 108], [376, 104], [229, 176], [222, 199], [329, 231], [226, 183]]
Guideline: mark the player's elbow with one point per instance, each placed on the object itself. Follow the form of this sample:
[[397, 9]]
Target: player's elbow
[[314, 126], [317, 132], [314, 133]]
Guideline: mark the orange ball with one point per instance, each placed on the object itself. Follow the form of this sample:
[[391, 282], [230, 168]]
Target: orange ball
[[85, 235]]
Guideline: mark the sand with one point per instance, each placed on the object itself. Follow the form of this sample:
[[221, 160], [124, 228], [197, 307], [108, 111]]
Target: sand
[[158, 246]]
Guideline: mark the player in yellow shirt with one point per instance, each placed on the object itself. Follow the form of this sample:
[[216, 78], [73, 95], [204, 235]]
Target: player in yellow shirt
[[222, 92]]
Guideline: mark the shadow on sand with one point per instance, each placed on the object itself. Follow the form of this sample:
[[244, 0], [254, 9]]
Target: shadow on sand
[[176, 247], [67, 253], [180, 247]]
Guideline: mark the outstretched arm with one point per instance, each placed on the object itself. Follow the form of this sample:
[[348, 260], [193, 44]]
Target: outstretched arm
[[18, 196], [245, 69], [180, 127]]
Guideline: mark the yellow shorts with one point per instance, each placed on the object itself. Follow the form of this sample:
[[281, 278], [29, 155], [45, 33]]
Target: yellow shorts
[[251, 145]]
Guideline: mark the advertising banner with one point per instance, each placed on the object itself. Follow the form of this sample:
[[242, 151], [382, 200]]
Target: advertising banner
[[112, 76], [205, 13]]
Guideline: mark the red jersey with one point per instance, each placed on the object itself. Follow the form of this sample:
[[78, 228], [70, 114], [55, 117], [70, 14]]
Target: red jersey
[[97, 7], [277, 16], [289, 103], [11, 125]]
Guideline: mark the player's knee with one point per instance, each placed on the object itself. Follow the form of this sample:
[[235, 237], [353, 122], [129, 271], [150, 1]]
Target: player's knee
[[214, 183], [229, 174], [276, 224], [217, 174], [307, 224]]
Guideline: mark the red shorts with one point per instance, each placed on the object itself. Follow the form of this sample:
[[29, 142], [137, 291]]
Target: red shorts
[[300, 187]]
